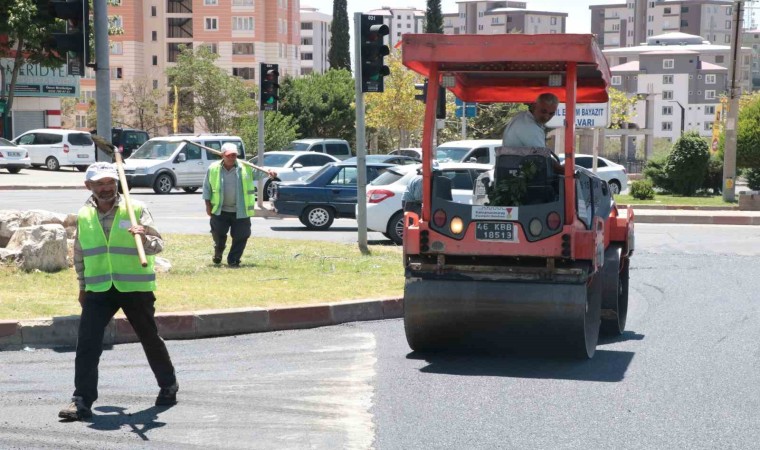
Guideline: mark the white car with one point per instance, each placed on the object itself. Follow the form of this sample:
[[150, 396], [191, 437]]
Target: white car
[[291, 165], [12, 157], [384, 212], [613, 173], [57, 147]]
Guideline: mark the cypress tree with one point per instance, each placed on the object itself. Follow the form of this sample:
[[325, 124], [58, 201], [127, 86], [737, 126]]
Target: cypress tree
[[433, 17], [339, 55]]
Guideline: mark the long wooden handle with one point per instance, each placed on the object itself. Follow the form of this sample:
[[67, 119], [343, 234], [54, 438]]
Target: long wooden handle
[[217, 152], [130, 210]]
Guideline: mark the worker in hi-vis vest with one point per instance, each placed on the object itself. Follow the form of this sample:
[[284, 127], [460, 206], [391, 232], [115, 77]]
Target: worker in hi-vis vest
[[111, 277], [228, 191]]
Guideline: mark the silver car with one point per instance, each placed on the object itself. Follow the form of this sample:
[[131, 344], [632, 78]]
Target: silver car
[[12, 157], [291, 165]]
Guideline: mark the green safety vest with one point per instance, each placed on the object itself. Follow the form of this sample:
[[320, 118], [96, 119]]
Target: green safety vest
[[215, 180], [113, 261]]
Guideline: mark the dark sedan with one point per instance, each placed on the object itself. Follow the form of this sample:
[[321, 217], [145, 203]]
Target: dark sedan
[[398, 160], [323, 196]]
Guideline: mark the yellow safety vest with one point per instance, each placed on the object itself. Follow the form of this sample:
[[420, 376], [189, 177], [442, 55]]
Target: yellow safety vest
[[113, 261], [215, 180]]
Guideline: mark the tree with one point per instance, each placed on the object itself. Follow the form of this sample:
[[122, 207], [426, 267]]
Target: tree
[[279, 130], [620, 108], [140, 106], [489, 122], [322, 104], [433, 17], [395, 111], [339, 55], [686, 166], [217, 98]]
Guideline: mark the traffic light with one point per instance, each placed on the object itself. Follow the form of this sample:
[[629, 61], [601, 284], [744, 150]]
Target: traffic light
[[74, 44], [268, 87], [440, 107], [373, 51]]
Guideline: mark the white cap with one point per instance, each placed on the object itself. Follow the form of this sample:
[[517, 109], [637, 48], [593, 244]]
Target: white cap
[[229, 147], [100, 170]]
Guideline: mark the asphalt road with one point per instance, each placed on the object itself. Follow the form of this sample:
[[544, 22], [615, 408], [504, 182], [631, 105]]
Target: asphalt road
[[684, 375]]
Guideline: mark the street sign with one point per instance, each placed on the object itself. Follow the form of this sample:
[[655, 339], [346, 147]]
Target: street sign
[[470, 108], [587, 115]]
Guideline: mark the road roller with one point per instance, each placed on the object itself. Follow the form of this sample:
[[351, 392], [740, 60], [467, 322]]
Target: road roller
[[540, 258]]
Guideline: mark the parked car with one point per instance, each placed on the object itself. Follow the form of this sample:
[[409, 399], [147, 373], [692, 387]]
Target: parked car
[[613, 173], [384, 211], [338, 148], [291, 165], [414, 152], [164, 163], [57, 147], [328, 193], [471, 150], [12, 157], [128, 140], [389, 159]]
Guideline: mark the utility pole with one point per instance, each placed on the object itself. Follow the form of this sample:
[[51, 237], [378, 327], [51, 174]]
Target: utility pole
[[729, 155], [102, 70]]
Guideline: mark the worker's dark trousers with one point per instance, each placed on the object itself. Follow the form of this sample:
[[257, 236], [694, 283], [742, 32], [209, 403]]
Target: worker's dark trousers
[[99, 308], [239, 229]]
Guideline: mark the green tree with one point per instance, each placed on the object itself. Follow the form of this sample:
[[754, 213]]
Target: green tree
[[140, 106], [488, 123], [322, 104], [339, 55], [395, 113], [621, 107], [686, 166], [433, 17], [217, 98], [279, 130]]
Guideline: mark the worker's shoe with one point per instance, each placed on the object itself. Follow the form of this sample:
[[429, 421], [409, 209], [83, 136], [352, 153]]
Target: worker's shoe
[[234, 264], [167, 396], [76, 410], [217, 259]]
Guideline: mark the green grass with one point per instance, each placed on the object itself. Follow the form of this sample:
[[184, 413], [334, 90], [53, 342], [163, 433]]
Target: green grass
[[660, 199], [273, 272]]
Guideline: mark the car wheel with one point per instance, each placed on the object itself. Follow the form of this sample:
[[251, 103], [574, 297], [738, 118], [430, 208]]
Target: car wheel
[[81, 168], [395, 230], [52, 164], [190, 190], [269, 189], [163, 184], [318, 217], [14, 169], [614, 187]]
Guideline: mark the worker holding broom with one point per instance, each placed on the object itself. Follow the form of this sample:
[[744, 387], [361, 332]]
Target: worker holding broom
[[113, 257]]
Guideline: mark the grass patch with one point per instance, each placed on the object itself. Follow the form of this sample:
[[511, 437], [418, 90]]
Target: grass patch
[[675, 200], [273, 272]]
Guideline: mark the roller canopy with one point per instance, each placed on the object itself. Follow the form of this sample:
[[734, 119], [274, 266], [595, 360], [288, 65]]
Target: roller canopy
[[510, 67]]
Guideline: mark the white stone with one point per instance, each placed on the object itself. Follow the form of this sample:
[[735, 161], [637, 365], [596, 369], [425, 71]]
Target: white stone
[[40, 247]]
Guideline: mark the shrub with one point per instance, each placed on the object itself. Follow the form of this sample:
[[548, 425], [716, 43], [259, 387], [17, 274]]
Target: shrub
[[714, 178], [686, 167], [655, 172], [642, 190], [753, 178]]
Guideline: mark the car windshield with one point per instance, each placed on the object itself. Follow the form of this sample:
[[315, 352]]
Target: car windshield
[[155, 150], [297, 146], [318, 173], [390, 176], [443, 154], [6, 143], [276, 160]]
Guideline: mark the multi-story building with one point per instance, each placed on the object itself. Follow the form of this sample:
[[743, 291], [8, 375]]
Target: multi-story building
[[400, 21], [629, 24], [751, 38], [492, 17], [315, 40], [682, 75], [243, 33]]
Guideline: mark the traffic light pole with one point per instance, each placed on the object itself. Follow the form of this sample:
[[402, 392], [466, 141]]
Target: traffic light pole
[[260, 160], [361, 151], [103, 70]]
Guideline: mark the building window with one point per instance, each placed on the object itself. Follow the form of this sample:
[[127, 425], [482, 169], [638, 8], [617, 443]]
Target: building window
[[116, 21], [242, 48], [307, 25], [211, 2], [668, 63], [710, 110], [306, 57], [667, 79], [710, 78], [666, 11], [117, 73], [242, 23], [727, 39], [667, 110], [155, 84], [211, 24], [710, 95], [667, 95], [242, 2], [81, 121], [153, 11], [553, 21], [173, 50], [667, 126], [708, 126], [719, 59], [684, 9], [246, 73], [307, 41], [117, 48], [154, 36], [616, 80], [155, 60]]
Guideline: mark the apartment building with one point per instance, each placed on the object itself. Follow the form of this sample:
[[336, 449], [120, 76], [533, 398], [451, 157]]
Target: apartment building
[[243, 33], [400, 21], [494, 17], [682, 74], [630, 23], [751, 38], [315, 40]]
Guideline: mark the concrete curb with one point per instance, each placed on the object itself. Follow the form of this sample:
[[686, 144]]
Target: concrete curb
[[62, 331]]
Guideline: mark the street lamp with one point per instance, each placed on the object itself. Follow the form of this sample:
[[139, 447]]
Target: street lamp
[[683, 113]]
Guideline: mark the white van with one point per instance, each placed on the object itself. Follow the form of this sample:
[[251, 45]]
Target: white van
[[481, 151], [165, 163], [56, 147], [338, 148]]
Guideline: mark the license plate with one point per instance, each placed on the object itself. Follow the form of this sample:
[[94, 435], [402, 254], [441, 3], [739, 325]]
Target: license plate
[[16, 154], [83, 155], [495, 231]]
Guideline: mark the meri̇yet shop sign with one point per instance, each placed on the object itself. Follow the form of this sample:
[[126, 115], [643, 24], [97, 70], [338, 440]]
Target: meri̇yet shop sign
[[38, 81]]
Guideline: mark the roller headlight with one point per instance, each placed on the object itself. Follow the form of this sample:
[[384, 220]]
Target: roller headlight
[[535, 227], [456, 226]]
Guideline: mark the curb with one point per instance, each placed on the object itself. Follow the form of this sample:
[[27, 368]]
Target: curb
[[62, 331], [697, 219]]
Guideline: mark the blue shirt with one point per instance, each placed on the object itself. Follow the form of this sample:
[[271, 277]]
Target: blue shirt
[[524, 131], [413, 191]]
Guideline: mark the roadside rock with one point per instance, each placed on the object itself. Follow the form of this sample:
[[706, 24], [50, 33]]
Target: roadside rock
[[42, 247], [12, 219]]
